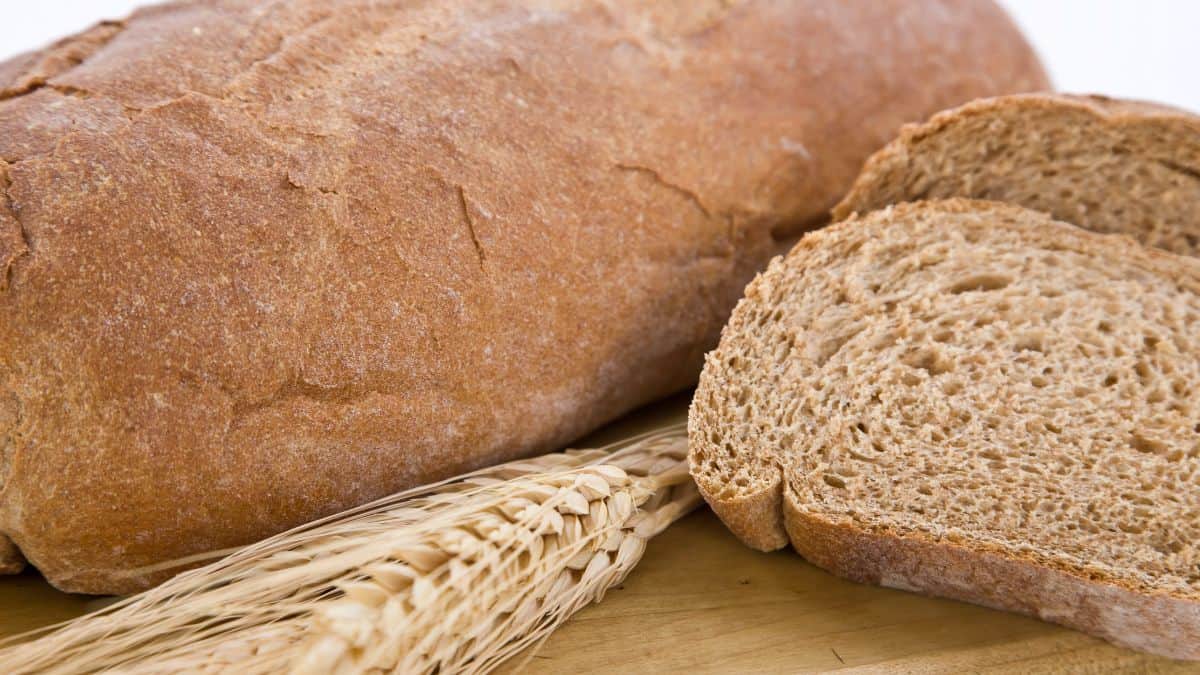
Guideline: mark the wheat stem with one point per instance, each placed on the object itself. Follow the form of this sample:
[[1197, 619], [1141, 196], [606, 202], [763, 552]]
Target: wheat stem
[[453, 577]]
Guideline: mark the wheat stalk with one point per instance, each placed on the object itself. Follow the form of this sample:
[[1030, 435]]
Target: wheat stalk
[[454, 577]]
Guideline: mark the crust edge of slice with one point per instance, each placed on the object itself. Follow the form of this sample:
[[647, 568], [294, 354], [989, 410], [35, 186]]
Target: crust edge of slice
[[756, 519], [1160, 624]]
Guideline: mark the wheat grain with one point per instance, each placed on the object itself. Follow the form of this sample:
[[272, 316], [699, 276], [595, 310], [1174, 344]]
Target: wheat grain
[[454, 577]]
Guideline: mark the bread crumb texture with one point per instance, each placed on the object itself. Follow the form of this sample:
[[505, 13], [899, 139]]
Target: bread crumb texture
[[1109, 165], [972, 392]]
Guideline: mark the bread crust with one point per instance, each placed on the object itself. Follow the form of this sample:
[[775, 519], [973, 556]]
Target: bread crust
[[266, 261], [1156, 623]]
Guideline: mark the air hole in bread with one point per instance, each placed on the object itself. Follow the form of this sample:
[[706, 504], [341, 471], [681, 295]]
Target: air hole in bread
[[782, 351], [980, 283], [1144, 372], [1029, 342], [886, 339], [834, 481], [930, 360], [1146, 444]]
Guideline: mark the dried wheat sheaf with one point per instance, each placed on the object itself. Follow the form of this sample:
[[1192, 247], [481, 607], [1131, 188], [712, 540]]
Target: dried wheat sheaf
[[453, 577]]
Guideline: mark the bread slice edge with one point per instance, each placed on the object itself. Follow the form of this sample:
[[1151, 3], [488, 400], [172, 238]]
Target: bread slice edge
[[1156, 623], [755, 518]]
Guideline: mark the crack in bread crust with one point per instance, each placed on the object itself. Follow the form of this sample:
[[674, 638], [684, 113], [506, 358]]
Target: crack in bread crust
[[60, 58], [14, 239]]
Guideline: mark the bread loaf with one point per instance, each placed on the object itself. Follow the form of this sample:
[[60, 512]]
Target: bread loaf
[[1105, 164], [263, 261], [971, 400]]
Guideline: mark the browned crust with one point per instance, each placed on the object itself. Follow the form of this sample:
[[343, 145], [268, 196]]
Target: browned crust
[[756, 517], [284, 258], [891, 160], [1156, 623]]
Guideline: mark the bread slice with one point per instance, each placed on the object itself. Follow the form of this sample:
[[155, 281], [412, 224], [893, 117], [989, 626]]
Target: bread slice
[[1104, 164], [971, 400]]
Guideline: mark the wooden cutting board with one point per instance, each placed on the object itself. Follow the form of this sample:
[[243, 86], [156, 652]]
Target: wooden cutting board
[[700, 602]]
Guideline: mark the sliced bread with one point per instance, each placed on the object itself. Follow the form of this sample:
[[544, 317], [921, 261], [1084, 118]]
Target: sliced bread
[[1107, 165], [971, 400]]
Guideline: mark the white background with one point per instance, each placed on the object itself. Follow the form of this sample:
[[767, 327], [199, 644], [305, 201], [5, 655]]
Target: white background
[[1146, 49]]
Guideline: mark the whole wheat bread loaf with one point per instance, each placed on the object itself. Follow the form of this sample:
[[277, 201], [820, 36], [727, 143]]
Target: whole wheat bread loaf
[[1105, 164], [262, 261], [971, 400]]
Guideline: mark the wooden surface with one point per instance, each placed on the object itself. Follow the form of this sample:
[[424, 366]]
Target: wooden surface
[[701, 602]]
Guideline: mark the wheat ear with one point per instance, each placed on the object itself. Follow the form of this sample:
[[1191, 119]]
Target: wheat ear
[[453, 577]]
